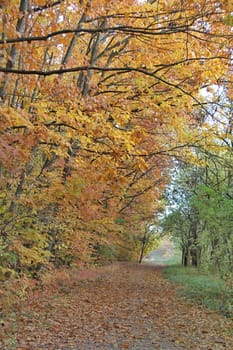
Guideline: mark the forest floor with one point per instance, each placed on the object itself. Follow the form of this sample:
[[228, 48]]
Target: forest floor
[[122, 306]]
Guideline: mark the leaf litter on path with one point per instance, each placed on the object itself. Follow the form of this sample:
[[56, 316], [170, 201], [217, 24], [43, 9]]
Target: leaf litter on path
[[127, 307]]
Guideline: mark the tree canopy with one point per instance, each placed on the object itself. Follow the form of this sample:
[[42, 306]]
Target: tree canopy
[[97, 100]]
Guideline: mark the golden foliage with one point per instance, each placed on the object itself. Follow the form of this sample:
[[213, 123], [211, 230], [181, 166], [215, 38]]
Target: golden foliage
[[96, 100]]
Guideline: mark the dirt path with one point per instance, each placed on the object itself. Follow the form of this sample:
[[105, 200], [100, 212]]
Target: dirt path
[[163, 254], [125, 307]]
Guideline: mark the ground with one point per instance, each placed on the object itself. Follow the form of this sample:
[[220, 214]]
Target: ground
[[123, 306], [164, 253]]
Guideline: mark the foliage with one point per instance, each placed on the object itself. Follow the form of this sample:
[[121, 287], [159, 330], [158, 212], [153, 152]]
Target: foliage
[[216, 240], [97, 98], [202, 217]]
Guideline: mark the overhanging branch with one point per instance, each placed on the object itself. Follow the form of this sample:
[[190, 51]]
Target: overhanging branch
[[121, 29]]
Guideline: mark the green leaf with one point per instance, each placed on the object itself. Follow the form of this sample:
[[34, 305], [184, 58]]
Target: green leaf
[[228, 20]]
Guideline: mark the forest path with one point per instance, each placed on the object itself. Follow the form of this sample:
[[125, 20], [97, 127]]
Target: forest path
[[125, 306]]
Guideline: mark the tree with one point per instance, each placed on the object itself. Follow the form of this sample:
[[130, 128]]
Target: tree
[[201, 217], [182, 219], [96, 99]]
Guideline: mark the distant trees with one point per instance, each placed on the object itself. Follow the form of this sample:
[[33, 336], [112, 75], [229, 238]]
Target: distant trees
[[202, 215]]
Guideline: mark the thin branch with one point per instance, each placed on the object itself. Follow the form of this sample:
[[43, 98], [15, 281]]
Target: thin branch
[[123, 29], [47, 6]]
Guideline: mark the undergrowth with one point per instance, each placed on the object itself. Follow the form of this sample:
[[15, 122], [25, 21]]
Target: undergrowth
[[204, 289]]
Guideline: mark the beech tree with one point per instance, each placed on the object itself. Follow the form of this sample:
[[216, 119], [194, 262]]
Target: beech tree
[[97, 97]]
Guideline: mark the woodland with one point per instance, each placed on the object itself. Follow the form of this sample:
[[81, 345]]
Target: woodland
[[116, 127], [116, 123]]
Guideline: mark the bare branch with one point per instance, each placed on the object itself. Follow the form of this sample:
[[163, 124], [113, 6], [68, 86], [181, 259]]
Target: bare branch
[[47, 5], [116, 29]]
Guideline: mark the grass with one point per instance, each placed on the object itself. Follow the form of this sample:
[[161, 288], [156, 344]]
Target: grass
[[204, 289]]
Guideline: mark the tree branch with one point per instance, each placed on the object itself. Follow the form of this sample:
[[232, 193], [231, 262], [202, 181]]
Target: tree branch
[[123, 29]]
